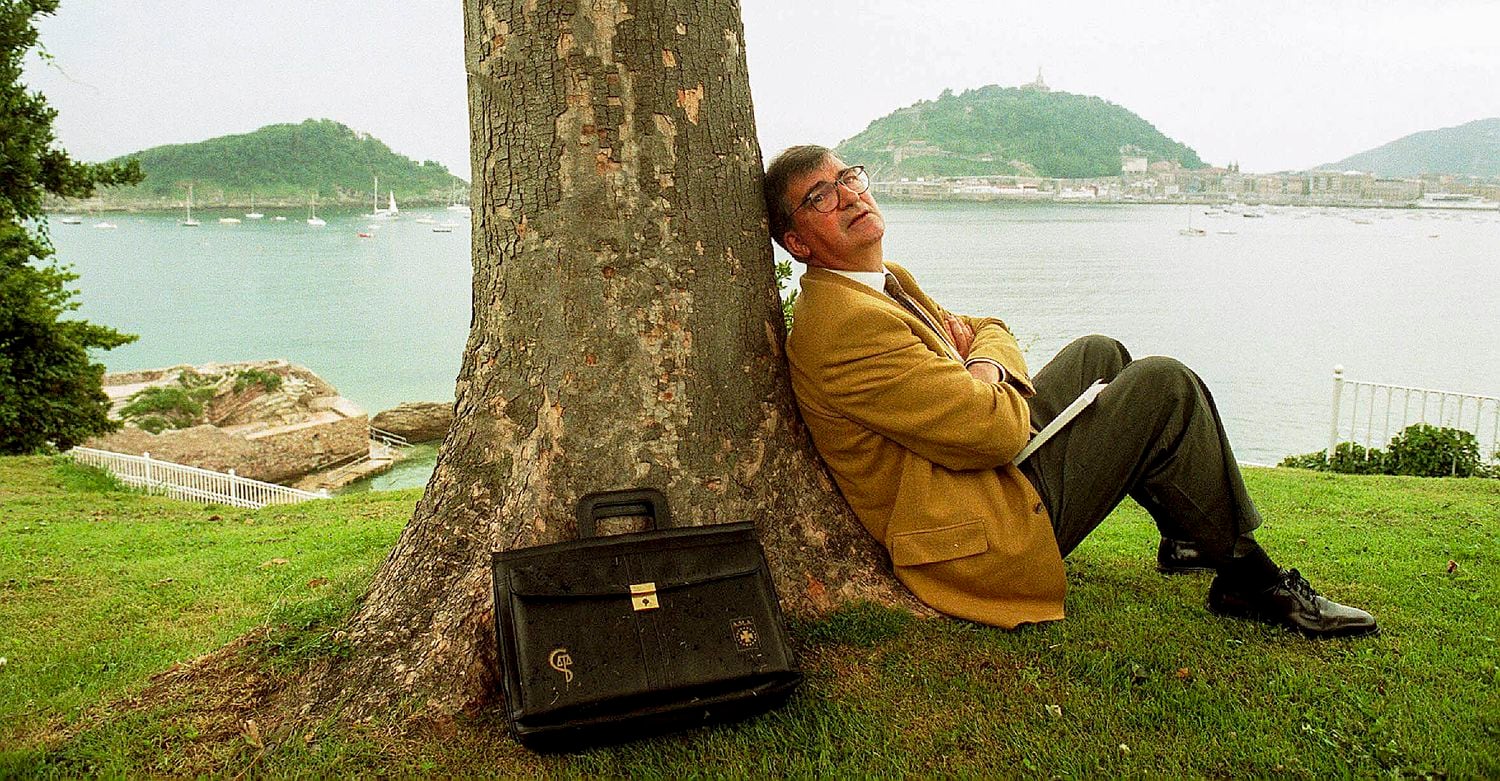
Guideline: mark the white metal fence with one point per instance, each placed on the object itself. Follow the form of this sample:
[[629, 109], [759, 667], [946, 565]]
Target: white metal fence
[[189, 482], [1370, 413], [389, 439]]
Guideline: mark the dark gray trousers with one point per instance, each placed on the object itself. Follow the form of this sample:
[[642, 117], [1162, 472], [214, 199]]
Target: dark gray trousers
[[1154, 435]]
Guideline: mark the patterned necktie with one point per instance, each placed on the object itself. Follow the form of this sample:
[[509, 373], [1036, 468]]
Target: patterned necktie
[[894, 290]]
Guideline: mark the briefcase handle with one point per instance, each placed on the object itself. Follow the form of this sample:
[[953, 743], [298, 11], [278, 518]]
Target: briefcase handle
[[647, 502]]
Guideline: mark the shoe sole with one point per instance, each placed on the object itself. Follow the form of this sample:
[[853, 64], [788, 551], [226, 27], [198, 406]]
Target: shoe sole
[[1253, 615], [1165, 570]]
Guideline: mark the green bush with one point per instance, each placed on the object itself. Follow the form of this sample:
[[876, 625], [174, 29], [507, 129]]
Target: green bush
[[1429, 451], [268, 381], [1420, 450], [161, 407], [784, 273]]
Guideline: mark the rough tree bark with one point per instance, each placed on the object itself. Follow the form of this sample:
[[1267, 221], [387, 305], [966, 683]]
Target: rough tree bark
[[626, 331]]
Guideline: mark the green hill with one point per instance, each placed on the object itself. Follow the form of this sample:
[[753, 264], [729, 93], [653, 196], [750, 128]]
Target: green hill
[[285, 163], [1471, 149], [1009, 130]]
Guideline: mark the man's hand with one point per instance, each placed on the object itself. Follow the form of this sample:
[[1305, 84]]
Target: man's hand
[[960, 334], [984, 372]]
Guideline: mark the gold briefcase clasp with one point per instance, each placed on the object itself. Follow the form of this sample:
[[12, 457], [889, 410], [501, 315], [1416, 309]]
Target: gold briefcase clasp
[[643, 596]]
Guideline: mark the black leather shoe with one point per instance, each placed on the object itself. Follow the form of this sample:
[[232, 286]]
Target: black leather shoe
[[1177, 557], [1291, 603]]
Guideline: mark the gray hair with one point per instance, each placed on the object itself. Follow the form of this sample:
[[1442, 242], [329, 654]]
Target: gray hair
[[793, 162]]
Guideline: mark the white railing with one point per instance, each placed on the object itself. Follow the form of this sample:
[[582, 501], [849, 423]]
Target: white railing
[[388, 438], [190, 483], [1360, 409]]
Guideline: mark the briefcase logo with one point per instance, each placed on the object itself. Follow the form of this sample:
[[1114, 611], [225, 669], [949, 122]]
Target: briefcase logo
[[561, 661], [743, 631]]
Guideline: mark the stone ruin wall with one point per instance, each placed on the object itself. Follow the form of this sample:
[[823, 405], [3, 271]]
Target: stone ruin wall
[[275, 456], [304, 428]]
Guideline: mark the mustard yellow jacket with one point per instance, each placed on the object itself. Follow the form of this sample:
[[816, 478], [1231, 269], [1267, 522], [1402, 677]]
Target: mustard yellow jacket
[[922, 450]]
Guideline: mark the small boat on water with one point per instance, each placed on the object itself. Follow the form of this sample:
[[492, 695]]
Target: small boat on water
[[442, 229], [1190, 230], [278, 218], [71, 219], [454, 205], [189, 222], [312, 214], [105, 225], [377, 213], [229, 221], [253, 214], [365, 235]]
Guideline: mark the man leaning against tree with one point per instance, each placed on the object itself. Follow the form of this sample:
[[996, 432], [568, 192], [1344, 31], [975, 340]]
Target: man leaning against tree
[[919, 414]]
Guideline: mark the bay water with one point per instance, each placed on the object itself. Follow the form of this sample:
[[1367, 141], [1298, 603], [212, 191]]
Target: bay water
[[1262, 308]]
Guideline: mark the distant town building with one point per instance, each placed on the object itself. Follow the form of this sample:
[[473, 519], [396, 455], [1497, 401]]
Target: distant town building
[[1130, 164]]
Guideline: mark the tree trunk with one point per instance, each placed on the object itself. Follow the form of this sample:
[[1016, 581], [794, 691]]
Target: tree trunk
[[626, 331]]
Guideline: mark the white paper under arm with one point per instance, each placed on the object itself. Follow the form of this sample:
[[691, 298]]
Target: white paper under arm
[[1063, 418]]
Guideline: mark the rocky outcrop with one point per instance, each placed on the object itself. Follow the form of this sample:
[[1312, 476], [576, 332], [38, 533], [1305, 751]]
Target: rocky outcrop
[[417, 421], [267, 420], [275, 454]]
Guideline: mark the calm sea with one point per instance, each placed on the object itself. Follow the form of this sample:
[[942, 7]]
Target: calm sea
[[1262, 308]]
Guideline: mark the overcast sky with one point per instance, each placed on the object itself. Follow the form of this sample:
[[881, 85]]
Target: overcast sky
[[1273, 85]]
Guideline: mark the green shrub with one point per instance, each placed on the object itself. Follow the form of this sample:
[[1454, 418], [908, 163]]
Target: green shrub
[[1420, 450], [161, 407], [190, 378], [1430, 451], [268, 381], [784, 273]]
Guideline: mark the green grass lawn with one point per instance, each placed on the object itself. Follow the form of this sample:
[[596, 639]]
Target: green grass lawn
[[100, 589]]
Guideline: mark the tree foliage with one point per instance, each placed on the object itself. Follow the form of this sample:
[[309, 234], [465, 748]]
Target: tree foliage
[[50, 390], [1005, 130]]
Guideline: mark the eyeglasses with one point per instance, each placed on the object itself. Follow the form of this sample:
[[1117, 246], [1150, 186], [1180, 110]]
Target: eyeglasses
[[824, 198]]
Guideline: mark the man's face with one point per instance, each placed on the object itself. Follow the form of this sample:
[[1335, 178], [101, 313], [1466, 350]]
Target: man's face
[[847, 238]]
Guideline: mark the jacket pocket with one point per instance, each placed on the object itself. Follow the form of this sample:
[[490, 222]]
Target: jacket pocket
[[945, 543]]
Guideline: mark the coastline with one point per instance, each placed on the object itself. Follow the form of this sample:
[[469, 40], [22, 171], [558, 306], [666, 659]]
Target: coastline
[[166, 205], [1245, 202]]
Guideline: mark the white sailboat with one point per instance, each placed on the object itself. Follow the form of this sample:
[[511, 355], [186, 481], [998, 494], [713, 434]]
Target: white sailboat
[[1190, 230], [391, 210], [377, 213], [312, 213], [253, 214], [455, 206], [189, 222]]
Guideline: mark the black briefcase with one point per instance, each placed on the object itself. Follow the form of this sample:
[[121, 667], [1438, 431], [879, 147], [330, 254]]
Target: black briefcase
[[610, 638]]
